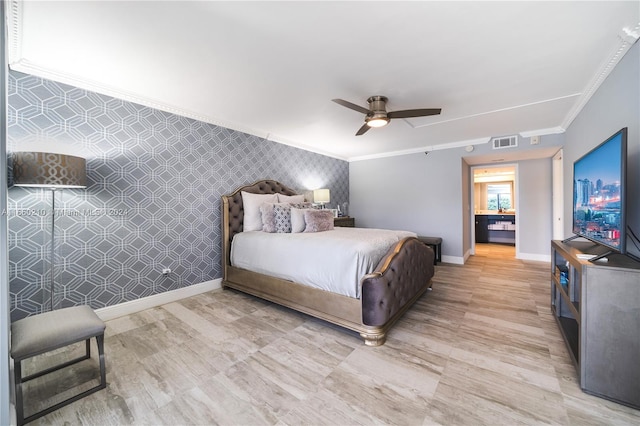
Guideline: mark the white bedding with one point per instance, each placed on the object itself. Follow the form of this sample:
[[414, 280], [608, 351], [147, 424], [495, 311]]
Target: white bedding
[[332, 260]]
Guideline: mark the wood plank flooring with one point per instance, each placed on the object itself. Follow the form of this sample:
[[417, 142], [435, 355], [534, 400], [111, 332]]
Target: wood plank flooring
[[481, 348]]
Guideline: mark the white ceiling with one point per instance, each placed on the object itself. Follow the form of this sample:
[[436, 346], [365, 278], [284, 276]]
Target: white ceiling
[[272, 68]]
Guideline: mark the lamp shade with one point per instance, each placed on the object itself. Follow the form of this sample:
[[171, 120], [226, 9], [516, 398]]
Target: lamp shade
[[321, 196], [47, 170]]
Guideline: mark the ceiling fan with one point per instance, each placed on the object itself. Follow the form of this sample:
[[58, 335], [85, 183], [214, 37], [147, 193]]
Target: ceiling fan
[[377, 115]]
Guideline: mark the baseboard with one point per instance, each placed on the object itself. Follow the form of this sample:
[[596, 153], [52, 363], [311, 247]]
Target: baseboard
[[133, 306], [534, 256], [466, 256], [453, 259]]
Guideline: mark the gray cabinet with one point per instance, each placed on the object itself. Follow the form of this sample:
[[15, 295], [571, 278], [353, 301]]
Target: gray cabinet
[[482, 229], [496, 228], [597, 307]]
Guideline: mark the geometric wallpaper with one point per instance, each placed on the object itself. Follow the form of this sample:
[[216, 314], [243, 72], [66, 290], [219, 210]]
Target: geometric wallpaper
[[152, 200]]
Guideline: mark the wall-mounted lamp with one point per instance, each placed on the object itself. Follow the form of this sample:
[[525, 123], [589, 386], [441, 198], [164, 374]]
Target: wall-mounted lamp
[[50, 171], [321, 196]]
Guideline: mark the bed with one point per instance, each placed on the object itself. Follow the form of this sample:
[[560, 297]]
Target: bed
[[401, 276]]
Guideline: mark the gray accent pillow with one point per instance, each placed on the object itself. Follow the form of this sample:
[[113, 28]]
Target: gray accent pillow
[[267, 214], [282, 215], [318, 220]]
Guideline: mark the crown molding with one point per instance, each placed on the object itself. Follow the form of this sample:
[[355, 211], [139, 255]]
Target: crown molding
[[26, 66], [626, 39], [541, 132], [304, 147], [422, 149], [479, 114], [14, 30]]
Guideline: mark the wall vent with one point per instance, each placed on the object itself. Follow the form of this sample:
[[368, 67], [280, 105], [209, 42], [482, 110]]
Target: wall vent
[[505, 142]]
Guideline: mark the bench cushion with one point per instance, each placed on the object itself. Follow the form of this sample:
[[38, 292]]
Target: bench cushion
[[42, 333]]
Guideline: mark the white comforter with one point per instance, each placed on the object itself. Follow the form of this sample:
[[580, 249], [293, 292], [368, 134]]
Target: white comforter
[[332, 260]]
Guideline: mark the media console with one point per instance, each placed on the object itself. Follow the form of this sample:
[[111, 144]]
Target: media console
[[597, 307]]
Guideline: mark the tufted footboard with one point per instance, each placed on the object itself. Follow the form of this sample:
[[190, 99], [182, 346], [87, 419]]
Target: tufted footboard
[[400, 277]]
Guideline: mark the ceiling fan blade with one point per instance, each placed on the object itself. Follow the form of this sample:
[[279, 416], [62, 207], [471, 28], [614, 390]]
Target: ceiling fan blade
[[363, 129], [351, 106], [409, 113]]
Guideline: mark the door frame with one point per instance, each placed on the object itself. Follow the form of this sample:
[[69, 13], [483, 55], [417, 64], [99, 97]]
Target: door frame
[[557, 195], [472, 190]]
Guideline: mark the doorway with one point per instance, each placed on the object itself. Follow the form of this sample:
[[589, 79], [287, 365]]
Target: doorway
[[494, 201]]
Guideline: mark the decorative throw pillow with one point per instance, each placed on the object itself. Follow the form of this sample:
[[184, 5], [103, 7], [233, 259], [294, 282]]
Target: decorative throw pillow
[[297, 220], [305, 205], [282, 214], [290, 198], [268, 217], [318, 220], [251, 205]]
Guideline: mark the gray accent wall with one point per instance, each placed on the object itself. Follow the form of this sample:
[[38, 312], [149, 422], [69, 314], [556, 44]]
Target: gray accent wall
[[153, 200], [616, 104]]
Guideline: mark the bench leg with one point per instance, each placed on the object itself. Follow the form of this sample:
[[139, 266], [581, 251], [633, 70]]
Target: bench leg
[[103, 370], [17, 372], [19, 380]]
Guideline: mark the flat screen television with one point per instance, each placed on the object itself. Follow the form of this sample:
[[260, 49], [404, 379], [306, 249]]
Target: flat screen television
[[599, 193]]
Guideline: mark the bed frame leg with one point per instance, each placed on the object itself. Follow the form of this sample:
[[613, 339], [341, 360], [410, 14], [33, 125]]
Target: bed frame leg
[[374, 339]]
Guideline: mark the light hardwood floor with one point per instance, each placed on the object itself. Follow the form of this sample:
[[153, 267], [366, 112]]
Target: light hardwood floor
[[481, 348]]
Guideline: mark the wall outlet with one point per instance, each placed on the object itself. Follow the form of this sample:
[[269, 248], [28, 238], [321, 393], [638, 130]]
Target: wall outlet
[[535, 140], [166, 271]]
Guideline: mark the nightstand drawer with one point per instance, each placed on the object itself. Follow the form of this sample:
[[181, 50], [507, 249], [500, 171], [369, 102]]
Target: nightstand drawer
[[344, 221]]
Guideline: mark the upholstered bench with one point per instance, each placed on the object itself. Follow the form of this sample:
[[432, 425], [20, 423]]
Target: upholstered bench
[[436, 244], [46, 332]]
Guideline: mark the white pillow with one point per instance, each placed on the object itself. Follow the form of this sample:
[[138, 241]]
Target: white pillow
[[297, 220], [290, 198], [251, 205]]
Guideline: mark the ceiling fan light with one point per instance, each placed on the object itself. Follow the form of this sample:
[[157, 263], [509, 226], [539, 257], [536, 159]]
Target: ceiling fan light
[[378, 122]]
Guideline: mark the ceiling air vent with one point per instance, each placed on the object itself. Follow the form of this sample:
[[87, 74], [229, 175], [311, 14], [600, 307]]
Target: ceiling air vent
[[505, 142]]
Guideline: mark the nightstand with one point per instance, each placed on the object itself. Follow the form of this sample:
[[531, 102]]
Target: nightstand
[[436, 244], [344, 221]]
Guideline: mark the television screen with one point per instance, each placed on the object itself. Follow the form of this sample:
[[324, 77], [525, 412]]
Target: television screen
[[599, 193]]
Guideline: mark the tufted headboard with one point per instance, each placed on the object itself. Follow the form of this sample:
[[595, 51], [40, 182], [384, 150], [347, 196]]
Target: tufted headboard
[[233, 212]]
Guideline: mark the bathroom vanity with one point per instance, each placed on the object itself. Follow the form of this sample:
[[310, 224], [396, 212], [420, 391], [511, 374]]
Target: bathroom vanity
[[496, 228]]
